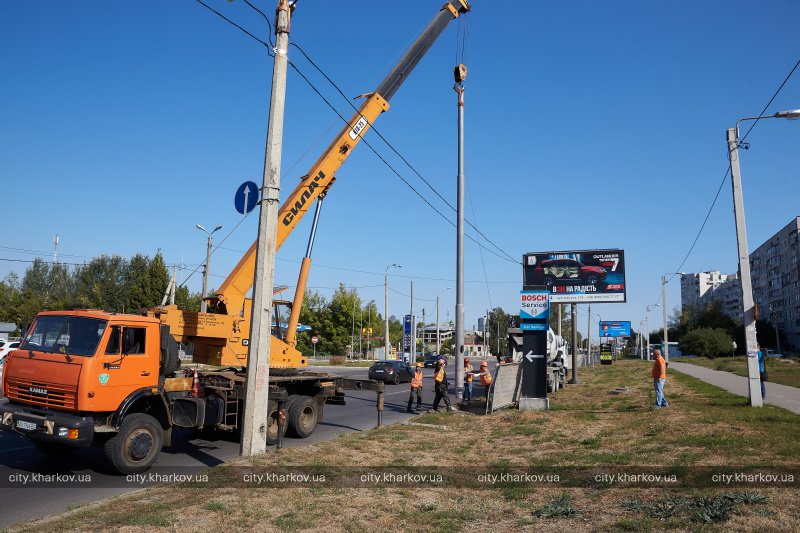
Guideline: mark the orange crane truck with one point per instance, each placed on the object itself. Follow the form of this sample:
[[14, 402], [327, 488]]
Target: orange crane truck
[[88, 377]]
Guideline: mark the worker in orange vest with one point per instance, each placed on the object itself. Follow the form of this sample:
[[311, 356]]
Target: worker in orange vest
[[440, 386], [486, 378], [467, 381], [659, 377], [416, 389]]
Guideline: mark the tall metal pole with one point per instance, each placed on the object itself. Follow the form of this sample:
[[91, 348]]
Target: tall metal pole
[[573, 310], [589, 336], [559, 319], [664, 309], [423, 331], [744, 271], [647, 333], [413, 351], [460, 75], [438, 339], [360, 331], [369, 328], [203, 302], [386, 344], [254, 420]]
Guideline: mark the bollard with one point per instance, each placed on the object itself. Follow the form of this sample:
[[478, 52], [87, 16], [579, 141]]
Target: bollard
[[380, 408]]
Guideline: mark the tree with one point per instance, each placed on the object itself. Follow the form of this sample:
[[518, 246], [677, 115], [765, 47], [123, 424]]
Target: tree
[[708, 342]]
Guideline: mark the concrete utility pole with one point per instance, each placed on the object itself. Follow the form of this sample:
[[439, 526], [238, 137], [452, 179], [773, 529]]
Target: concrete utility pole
[[256, 413], [207, 265], [387, 345], [460, 74], [751, 347], [573, 313]]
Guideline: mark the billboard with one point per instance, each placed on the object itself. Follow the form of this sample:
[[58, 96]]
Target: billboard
[[619, 328], [577, 276]]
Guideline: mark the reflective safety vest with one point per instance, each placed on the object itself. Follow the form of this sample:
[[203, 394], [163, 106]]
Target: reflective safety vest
[[486, 379], [468, 373], [416, 381], [439, 375]]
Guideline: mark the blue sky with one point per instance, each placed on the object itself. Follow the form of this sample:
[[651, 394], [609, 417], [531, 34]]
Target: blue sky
[[588, 125]]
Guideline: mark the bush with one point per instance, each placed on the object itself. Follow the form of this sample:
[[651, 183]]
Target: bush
[[420, 359], [709, 342], [337, 359]]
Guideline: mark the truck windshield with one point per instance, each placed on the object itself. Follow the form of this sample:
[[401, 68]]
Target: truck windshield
[[73, 335]]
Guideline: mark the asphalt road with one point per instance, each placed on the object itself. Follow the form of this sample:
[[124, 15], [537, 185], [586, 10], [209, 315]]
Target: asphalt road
[[19, 456]]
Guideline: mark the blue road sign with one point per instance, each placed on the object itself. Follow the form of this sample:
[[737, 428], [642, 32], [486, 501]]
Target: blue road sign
[[246, 197]]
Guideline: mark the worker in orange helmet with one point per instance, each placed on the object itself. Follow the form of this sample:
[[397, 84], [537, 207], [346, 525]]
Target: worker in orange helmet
[[440, 385], [416, 389], [486, 378], [467, 381]]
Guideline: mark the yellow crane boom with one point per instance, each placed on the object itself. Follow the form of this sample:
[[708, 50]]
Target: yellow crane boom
[[219, 337]]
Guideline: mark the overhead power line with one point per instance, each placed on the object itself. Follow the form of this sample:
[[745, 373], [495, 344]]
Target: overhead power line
[[727, 172], [502, 255]]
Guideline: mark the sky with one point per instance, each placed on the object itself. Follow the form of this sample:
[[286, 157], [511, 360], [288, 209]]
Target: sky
[[587, 125]]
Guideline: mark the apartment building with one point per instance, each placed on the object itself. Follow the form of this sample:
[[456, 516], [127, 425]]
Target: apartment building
[[775, 269], [775, 273]]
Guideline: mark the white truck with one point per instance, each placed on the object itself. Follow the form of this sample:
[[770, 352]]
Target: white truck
[[558, 360]]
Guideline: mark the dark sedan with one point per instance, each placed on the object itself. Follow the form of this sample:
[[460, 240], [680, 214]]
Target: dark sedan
[[391, 372]]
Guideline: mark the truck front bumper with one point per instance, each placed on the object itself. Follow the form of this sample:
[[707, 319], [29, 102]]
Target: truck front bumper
[[47, 426]]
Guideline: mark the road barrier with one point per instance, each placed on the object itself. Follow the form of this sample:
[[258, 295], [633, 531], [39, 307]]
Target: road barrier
[[506, 387]]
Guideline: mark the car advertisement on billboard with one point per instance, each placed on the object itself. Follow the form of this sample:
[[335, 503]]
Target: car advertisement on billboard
[[619, 328], [577, 276]]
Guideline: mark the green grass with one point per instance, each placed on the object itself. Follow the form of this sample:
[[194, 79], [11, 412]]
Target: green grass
[[785, 371]]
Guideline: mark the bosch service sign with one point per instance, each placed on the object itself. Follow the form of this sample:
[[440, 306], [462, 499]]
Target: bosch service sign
[[578, 276], [534, 305]]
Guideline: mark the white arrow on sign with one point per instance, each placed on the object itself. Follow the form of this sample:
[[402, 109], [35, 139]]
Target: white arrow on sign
[[530, 356], [246, 194]]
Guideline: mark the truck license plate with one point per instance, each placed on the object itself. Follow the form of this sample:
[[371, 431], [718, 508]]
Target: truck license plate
[[24, 424]]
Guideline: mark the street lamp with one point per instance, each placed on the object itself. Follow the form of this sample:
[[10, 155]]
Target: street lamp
[[203, 302], [664, 309], [386, 309], [647, 333], [732, 135], [438, 339]]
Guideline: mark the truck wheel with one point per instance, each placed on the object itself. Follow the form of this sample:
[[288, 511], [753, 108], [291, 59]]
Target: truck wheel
[[303, 417], [137, 445], [55, 450], [272, 422]]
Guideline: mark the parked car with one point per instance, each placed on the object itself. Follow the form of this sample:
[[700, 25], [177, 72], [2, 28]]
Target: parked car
[[7, 346], [391, 372], [772, 353], [552, 271], [430, 359]]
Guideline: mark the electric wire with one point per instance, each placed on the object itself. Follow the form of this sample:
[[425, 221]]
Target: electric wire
[[393, 149], [507, 257], [727, 172]]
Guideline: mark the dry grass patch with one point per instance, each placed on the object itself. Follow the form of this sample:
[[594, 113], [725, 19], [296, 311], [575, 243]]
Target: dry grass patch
[[587, 426]]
